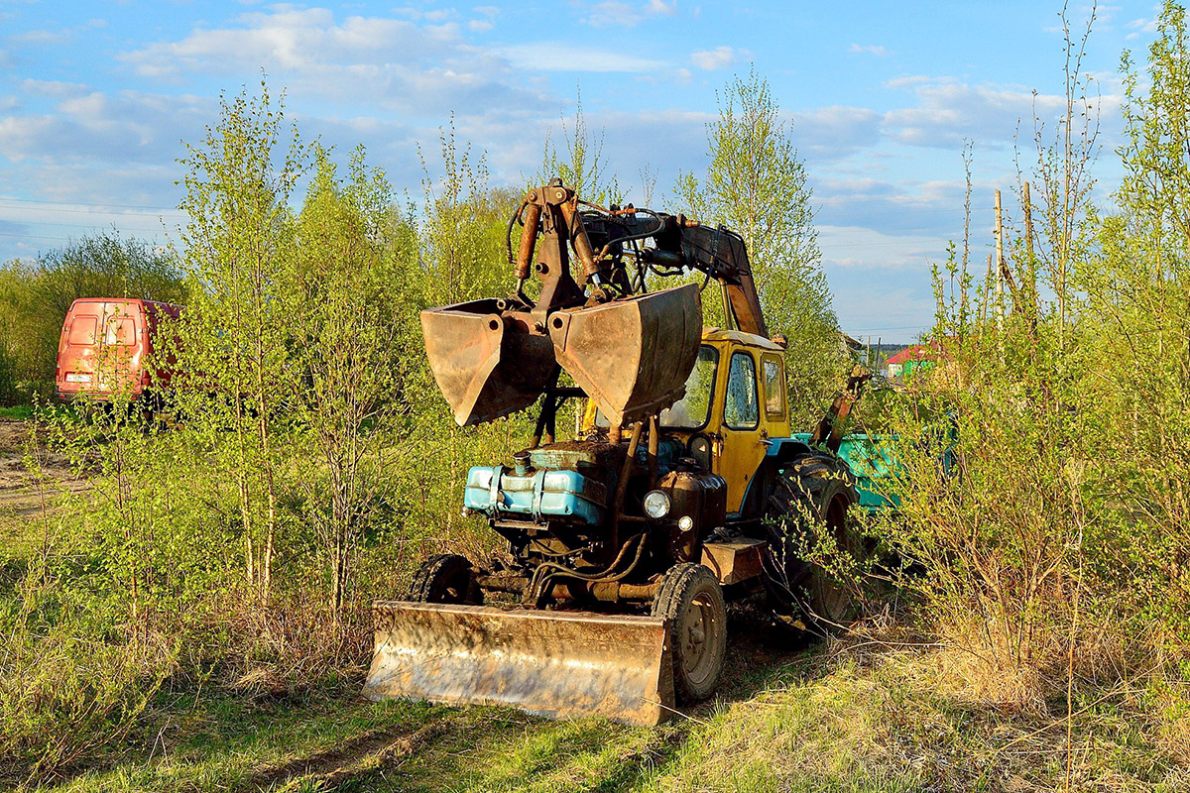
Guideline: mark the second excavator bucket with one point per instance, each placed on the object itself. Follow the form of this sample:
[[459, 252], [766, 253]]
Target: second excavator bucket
[[550, 663], [487, 364], [631, 356]]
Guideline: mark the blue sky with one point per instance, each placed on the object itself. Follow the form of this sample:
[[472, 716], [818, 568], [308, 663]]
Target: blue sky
[[96, 99]]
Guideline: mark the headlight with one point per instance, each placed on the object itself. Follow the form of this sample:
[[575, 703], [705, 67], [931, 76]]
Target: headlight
[[685, 523], [656, 504]]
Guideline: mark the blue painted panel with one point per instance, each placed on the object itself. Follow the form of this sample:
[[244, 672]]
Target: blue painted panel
[[871, 461], [535, 495]]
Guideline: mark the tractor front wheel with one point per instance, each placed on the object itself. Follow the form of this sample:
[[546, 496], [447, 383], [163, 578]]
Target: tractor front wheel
[[691, 600], [445, 578]]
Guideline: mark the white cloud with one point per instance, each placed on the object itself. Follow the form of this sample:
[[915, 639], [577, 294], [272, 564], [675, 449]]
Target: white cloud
[[859, 246], [419, 69], [52, 88], [717, 58], [43, 37], [480, 25], [1140, 27], [948, 111], [118, 129], [879, 50], [836, 130], [292, 39], [621, 14], [558, 56]]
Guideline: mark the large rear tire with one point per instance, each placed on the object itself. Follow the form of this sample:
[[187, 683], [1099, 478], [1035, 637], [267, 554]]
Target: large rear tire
[[691, 599], [445, 578], [807, 510]]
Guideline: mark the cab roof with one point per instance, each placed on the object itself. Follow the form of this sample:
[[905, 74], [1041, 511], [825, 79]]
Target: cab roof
[[739, 337]]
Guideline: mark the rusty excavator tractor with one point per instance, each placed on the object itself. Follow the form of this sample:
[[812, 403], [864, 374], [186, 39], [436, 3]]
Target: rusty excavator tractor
[[684, 489]]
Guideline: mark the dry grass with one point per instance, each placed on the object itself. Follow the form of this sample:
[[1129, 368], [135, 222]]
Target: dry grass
[[293, 645], [881, 712]]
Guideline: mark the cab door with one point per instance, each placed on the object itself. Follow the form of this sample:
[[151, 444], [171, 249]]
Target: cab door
[[743, 439]]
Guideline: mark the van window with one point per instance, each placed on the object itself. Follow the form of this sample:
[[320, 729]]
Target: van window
[[774, 387], [741, 411], [82, 329], [120, 331]]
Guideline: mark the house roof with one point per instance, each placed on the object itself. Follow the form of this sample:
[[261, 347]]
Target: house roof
[[914, 352]]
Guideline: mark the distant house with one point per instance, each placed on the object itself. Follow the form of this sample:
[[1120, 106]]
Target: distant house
[[915, 357]]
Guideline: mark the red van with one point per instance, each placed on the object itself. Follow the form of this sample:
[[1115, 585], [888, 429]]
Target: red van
[[104, 344]]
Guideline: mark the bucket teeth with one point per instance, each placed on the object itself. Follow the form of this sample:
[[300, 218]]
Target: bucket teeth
[[555, 664]]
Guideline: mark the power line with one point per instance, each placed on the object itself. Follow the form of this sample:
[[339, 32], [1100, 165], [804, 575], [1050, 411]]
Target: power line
[[50, 204], [901, 327]]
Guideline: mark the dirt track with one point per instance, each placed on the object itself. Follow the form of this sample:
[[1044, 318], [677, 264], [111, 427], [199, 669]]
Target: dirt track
[[25, 489]]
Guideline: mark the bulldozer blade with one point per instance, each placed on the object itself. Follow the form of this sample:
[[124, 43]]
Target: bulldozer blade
[[486, 363], [556, 664], [631, 356]]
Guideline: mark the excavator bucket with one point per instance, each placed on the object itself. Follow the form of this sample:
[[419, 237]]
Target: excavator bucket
[[556, 664], [486, 363], [631, 356]]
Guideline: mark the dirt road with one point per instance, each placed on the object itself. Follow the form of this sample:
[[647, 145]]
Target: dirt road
[[26, 485]]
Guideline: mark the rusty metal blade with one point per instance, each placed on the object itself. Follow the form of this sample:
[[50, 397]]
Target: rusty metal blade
[[631, 356], [555, 664], [485, 362]]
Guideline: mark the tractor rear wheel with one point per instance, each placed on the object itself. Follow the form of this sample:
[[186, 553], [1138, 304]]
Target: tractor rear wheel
[[691, 599], [445, 578], [806, 513]]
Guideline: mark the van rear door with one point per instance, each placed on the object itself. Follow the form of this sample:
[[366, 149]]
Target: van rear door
[[102, 348], [77, 348]]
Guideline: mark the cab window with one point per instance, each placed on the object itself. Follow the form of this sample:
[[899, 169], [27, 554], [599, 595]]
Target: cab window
[[774, 387], [740, 411], [692, 410]]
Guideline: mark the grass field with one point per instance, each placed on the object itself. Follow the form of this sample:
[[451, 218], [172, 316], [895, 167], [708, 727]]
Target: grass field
[[811, 721], [871, 713]]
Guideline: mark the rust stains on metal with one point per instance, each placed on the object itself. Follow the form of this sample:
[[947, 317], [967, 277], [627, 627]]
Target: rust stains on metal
[[487, 364], [554, 664], [735, 561], [631, 356]]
